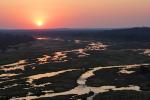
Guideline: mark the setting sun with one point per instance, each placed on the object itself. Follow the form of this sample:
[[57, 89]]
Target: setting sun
[[39, 23]]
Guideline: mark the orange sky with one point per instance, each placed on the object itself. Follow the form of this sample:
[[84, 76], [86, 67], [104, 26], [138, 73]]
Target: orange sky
[[26, 14]]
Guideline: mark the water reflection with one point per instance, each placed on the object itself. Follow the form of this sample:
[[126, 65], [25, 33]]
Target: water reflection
[[96, 46], [59, 57], [42, 38], [14, 66], [50, 74], [43, 60], [7, 75], [147, 52], [82, 88]]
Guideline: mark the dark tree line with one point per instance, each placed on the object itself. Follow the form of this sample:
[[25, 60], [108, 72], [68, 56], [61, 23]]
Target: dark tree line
[[129, 34], [133, 34], [8, 38], [12, 39]]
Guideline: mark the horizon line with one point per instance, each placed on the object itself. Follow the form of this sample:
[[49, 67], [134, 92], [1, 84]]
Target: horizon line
[[97, 28]]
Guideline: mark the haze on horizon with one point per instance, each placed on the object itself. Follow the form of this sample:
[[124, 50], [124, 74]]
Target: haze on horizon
[[29, 14]]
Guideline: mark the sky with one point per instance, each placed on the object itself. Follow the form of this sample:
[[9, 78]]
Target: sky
[[32, 14]]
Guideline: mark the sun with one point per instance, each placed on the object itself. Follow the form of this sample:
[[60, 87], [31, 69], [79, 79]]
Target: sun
[[39, 23]]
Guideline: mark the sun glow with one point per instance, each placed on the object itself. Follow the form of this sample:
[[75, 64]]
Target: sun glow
[[39, 23]]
